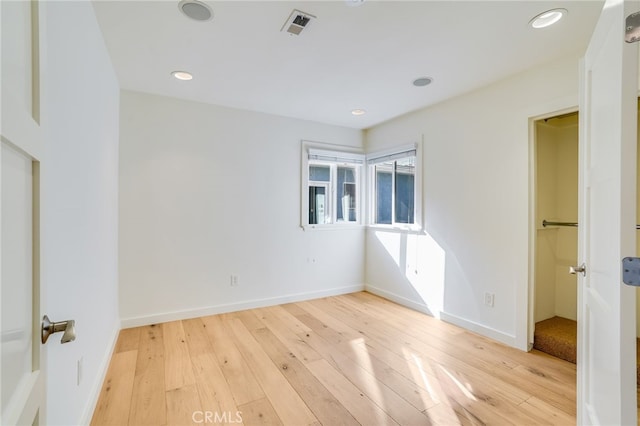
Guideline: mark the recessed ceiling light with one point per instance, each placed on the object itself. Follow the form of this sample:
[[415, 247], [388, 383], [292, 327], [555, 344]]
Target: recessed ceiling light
[[196, 10], [182, 75], [422, 81], [547, 18], [358, 111]]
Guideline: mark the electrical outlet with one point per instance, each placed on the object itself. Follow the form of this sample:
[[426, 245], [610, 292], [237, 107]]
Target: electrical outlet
[[234, 280], [489, 299]]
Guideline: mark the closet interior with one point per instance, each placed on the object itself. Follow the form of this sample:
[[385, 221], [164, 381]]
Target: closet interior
[[556, 216]]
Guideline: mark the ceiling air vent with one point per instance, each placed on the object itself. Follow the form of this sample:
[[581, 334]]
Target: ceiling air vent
[[297, 22]]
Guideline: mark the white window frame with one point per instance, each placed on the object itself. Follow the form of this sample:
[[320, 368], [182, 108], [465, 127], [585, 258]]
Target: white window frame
[[393, 154], [333, 156]]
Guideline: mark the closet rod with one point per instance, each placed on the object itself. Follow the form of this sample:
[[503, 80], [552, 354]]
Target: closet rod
[[546, 223]]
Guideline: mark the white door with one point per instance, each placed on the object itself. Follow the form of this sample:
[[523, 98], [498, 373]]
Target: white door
[[606, 307], [22, 394]]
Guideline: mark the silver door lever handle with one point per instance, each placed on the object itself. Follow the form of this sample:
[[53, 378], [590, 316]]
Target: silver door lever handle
[[48, 328], [582, 269]]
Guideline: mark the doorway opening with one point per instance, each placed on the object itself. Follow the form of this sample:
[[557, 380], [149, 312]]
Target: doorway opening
[[554, 312], [556, 215]]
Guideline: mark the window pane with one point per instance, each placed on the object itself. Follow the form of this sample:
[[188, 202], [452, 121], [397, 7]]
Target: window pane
[[405, 189], [346, 194], [317, 204], [349, 201], [320, 173], [384, 187]]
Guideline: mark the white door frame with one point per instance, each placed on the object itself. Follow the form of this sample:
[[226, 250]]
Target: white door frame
[[533, 224]]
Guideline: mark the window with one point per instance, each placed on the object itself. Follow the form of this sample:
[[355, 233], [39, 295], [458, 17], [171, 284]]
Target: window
[[394, 195], [331, 195]]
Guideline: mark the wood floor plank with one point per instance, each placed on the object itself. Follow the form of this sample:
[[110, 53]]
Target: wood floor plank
[[115, 398], [178, 371], [128, 340], [288, 319], [443, 414], [378, 331], [347, 359], [410, 390], [196, 337], [330, 321], [259, 413], [355, 350], [359, 405], [183, 405], [441, 350], [214, 392], [285, 400], [551, 414], [294, 309], [286, 328], [242, 383], [322, 403], [362, 374], [148, 404], [437, 333], [247, 317]]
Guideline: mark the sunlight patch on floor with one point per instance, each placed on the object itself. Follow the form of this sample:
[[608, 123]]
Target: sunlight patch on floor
[[457, 382]]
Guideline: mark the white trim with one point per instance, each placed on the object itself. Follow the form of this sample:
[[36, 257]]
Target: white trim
[[380, 156], [237, 306], [94, 392], [401, 300], [341, 157], [340, 226], [492, 333], [410, 228]]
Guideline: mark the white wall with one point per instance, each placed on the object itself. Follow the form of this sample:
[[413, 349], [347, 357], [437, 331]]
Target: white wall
[[206, 192], [567, 210], [476, 202], [79, 206], [546, 164]]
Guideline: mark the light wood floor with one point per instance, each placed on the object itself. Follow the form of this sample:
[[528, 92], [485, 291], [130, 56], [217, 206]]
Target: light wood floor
[[353, 359]]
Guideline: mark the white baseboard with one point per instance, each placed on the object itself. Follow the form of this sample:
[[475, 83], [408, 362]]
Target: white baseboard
[[96, 387], [234, 307], [489, 332], [401, 300]]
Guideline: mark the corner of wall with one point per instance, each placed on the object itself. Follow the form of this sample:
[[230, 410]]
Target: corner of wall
[[96, 387], [401, 300]]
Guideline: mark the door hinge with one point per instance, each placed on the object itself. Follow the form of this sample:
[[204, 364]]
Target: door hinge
[[631, 271]]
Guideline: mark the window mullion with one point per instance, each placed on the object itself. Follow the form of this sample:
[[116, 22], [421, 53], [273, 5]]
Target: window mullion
[[393, 192], [334, 193]]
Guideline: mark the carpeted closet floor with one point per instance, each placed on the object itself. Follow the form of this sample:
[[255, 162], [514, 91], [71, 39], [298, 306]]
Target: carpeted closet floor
[[557, 336]]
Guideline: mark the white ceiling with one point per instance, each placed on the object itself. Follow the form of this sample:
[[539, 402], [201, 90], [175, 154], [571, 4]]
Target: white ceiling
[[349, 57]]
